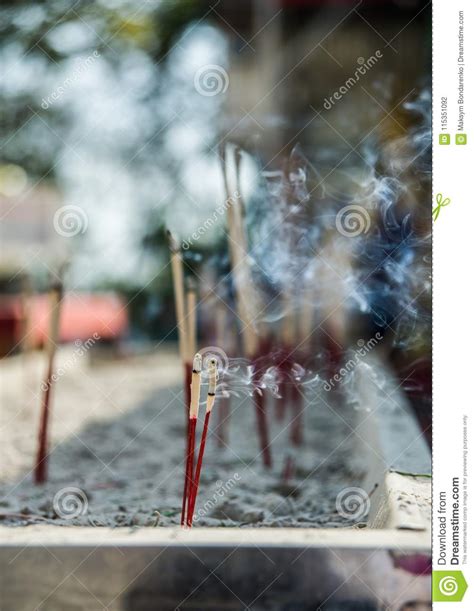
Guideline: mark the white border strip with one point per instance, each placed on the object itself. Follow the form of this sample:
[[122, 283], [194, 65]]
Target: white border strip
[[453, 167]]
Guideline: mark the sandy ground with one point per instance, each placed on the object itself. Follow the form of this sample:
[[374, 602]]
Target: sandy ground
[[117, 450]]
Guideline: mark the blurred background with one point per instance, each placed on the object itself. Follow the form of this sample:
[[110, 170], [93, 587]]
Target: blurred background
[[114, 115]]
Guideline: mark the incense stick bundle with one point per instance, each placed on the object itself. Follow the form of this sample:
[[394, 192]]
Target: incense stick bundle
[[211, 396], [193, 414], [41, 464]]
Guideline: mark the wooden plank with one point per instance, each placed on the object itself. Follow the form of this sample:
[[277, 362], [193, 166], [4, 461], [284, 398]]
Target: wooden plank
[[404, 503], [335, 538], [54, 569], [398, 457]]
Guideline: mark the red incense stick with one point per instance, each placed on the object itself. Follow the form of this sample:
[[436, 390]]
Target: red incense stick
[[188, 372], [262, 426], [195, 483], [211, 396], [41, 464], [281, 404], [259, 400], [193, 414], [297, 399]]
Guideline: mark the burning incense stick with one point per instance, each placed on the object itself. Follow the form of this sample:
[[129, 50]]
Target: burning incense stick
[[193, 414], [211, 397], [55, 296]]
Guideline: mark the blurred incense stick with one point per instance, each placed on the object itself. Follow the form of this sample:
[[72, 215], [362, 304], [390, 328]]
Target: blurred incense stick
[[55, 300], [247, 298], [245, 294], [179, 298], [222, 339], [191, 318]]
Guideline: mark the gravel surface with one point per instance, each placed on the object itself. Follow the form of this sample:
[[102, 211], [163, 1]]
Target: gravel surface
[[117, 441]]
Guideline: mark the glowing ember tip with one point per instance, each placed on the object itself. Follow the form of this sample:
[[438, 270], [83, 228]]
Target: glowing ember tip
[[213, 377]]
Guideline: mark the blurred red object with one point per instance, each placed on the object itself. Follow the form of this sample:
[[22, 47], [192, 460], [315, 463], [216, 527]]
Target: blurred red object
[[82, 316]]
